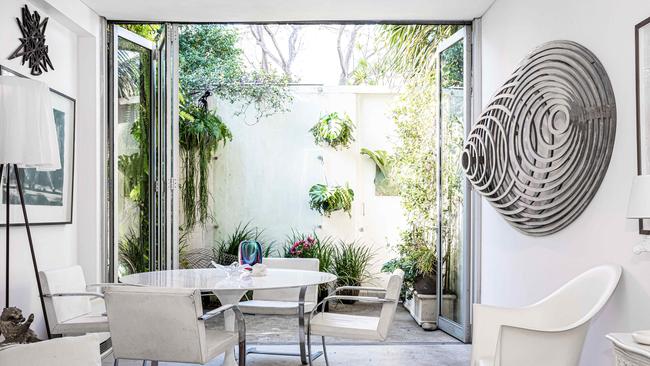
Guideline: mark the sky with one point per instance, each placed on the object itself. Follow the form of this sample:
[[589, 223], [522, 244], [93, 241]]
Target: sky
[[317, 60]]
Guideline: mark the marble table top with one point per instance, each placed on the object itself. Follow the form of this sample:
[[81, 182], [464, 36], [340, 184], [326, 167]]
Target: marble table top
[[213, 279]]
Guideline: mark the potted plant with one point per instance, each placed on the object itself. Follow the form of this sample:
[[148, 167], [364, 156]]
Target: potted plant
[[351, 261], [326, 199], [334, 130], [418, 259]]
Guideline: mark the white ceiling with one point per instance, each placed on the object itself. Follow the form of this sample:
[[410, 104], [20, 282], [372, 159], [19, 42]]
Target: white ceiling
[[288, 10]]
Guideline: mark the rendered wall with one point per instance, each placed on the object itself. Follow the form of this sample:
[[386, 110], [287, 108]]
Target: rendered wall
[[265, 173], [517, 269], [73, 47]]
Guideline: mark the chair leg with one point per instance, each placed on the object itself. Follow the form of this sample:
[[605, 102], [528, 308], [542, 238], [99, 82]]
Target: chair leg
[[327, 363], [242, 353], [116, 362], [154, 363], [309, 345], [301, 338]]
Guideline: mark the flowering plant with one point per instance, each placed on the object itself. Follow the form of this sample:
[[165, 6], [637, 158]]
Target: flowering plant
[[303, 248]]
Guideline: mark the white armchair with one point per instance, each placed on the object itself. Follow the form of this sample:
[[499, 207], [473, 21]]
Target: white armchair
[[550, 332], [68, 305], [356, 326], [168, 325], [68, 351], [292, 301]]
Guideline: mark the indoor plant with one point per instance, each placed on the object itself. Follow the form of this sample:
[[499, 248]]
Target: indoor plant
[[326, 199], [334, 130]]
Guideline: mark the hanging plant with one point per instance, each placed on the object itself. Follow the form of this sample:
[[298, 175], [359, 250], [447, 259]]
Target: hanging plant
[[201, 133], [326, 199], [334, 130], [384, 183]]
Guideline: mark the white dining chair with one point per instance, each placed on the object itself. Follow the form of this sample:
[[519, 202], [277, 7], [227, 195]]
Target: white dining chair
[[326, 323], [68, 303], [67, 351], [549, 332], [292, 301], [161, 324]]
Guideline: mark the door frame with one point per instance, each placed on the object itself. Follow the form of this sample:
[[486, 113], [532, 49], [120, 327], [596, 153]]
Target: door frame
[[113, 33], [474, 107], [462, 330]]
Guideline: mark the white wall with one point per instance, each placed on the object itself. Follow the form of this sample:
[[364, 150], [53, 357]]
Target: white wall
[[517, 269], [73, 47], [265, 173]]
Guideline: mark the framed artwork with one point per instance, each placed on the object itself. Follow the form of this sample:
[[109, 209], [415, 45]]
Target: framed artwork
[[48, 194]]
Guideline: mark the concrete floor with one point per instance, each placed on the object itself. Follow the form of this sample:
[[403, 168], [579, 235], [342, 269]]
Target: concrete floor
[[361, 355], [407, 344]]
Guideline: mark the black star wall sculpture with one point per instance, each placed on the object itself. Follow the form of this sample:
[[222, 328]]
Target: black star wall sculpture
[[32, 44]]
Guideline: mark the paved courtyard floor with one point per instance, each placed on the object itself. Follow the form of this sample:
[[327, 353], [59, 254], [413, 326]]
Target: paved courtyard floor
[[407, 344]]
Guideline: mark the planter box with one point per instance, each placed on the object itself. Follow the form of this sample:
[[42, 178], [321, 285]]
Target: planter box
[[423, 308]]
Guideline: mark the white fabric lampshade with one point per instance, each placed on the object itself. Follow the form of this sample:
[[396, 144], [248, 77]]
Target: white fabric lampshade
[[28, 135], [639, 205]]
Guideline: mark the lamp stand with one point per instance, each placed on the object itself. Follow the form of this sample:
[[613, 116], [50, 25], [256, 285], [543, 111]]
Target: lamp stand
[[29, 238]]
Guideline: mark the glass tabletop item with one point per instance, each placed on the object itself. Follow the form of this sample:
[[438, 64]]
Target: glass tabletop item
[[250, 253]]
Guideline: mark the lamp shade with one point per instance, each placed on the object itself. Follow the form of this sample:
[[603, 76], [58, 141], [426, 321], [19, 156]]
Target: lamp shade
[[639, 205], [28, 135]]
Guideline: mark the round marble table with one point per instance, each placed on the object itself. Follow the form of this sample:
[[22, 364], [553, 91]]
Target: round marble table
[[229, 289]]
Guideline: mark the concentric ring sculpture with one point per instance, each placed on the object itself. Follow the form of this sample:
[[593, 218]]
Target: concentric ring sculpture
[[541, 147]]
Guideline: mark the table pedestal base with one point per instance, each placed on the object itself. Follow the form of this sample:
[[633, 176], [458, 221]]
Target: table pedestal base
[[230, 298], [255, 350]]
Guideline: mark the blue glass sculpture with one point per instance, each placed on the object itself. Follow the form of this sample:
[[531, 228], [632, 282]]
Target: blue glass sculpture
[[250, 253]]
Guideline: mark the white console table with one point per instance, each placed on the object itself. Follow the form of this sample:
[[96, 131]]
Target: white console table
[[627, 352]]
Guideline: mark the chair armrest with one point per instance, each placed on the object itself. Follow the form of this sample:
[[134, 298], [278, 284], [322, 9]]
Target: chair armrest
[[108, 284], [212, 313], [519, 346], [72, 294], [358, 288], [241, 324]]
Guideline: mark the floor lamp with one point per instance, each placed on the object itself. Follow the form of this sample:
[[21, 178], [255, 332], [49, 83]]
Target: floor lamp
[[28, 139]]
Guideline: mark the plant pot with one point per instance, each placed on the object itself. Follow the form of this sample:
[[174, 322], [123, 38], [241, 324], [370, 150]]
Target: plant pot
[[425, 285], [423, 308]]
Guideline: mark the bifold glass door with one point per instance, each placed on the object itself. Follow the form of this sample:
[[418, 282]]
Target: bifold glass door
[[453, 244], [141, 154]]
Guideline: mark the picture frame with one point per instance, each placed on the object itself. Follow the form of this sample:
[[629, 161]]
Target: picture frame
[[49, 196]]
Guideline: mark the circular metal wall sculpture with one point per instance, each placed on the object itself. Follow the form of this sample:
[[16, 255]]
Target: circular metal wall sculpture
[[540, 149]]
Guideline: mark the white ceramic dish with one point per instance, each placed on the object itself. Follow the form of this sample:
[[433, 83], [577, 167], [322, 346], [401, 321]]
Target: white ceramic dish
[[642, 337]]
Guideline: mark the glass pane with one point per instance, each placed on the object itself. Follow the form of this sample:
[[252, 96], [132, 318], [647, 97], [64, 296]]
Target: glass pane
[[452, 127], [132, 139]]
